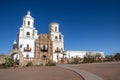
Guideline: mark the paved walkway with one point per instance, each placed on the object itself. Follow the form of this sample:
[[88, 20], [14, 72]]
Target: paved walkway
[[85, 74]]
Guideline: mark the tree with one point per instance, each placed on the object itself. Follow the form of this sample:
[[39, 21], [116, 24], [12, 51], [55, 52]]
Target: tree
[[109, 58], [88, 58], [98, 57], [117, 56]]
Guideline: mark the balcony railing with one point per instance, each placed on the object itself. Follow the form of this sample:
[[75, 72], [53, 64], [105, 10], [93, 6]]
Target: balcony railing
[[57, 51], [27, 49]]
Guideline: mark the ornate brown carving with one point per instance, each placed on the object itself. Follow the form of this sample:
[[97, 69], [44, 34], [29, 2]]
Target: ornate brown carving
[[43, 47]]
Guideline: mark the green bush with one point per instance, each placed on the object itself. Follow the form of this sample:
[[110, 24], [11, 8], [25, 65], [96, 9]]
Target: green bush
[[9, 62]]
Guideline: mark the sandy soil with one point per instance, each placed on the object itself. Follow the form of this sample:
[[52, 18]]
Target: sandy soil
[[108, 71], [38, 73]]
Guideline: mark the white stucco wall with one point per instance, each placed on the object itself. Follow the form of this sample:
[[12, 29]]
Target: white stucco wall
[[81, 54], [24, 42], [57, 39], [25, 39], [55, 56]]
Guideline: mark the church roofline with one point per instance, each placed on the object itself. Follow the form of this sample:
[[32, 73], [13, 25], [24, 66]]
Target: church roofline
[[28, 15], [54, 23], [82, 51]]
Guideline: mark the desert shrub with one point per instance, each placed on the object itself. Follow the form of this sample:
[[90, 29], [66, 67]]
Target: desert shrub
[[88, 59], [50, 63], [75, 61], [9, 62], [29, 64], [117, 56], [109, 58]]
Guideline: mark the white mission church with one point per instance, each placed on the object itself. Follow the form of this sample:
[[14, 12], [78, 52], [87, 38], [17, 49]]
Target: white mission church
[[38, 48]]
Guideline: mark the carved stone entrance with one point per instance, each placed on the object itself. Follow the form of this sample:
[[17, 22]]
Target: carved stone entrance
[[21, 62]]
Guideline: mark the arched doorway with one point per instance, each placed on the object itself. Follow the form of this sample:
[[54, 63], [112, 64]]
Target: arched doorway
[[16, 58], [16, 54], [44, 59]]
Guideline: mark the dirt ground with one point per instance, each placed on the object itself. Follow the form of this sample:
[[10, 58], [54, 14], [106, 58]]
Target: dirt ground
[[107, 71], [38, 73]]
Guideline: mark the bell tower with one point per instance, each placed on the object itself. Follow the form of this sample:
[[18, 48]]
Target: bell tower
[[26, 36], [58, 41], [54, 27], [28, 21]]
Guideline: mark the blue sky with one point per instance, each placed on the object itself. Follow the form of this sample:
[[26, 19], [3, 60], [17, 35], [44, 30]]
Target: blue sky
[[87, 25]]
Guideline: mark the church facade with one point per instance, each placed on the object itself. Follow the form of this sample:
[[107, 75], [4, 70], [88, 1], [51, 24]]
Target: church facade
[[41, 48]]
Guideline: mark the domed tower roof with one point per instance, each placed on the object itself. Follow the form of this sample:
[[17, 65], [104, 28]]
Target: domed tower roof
[[28, 14]]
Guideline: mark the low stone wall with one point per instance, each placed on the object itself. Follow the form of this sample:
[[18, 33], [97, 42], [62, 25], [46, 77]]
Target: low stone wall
[[35, 61]]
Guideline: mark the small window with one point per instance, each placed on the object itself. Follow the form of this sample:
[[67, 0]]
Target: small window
[[21, 46], [24, 22], [27, 46], [44, 47], [57, 48], [55, 29], [57, 56], [27, 56], [44, 56], [28, 33], [56, 37], [28, 23], [60, 37]]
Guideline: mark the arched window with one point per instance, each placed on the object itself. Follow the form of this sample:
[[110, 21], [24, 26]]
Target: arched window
[[57, 56], [27, 46], [28, 33], [27, 56], [21, 46], [60, 37], [55, 29], [56, 37], [28, 23], [44, 47], [24, 22], [44, 56], [57, 48]]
